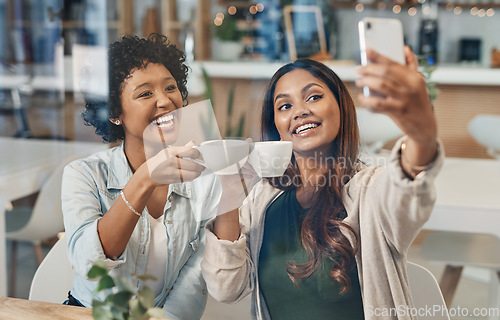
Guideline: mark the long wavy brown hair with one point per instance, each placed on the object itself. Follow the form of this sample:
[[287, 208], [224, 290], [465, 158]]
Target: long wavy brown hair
[[323, 228]]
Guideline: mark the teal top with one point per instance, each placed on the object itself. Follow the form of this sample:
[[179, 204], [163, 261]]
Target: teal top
[[316, 297]]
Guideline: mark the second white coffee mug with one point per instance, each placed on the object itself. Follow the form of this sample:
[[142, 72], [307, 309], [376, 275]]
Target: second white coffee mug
[[223, 157], [271, 158]]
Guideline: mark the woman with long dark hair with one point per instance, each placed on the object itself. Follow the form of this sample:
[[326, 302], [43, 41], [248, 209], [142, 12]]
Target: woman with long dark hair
[[328, 239]]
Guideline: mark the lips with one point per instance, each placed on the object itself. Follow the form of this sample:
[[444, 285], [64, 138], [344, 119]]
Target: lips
[[304, 127], [164, 121]]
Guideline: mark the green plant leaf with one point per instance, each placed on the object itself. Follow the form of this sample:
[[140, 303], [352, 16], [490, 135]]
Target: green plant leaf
[[136, 309], [231, 100], [101, 312], [209, 93], [228, 30], [120, 300], [157, 313], [241, 126], [123, 284], [229, 129], [146, 297], [118, 314], [105, 282], [98, 270], [144, 317], [97, 303]]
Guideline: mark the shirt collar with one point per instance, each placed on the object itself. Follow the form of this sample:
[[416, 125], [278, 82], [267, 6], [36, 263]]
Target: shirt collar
[[118, 165]]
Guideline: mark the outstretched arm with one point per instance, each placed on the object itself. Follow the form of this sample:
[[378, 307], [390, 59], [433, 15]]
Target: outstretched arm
[[405, 99]]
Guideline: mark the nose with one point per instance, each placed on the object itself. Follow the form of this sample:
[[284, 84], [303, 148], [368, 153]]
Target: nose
[[301, 110], [164, 101]]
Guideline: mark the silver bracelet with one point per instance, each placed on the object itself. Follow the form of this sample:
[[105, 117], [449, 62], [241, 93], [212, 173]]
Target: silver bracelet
[[129, 205]]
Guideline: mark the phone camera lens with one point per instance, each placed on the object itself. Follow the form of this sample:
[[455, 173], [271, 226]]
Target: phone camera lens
[[368, 25]]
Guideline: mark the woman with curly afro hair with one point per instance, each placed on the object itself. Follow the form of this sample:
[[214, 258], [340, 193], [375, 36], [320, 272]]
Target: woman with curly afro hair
[[140, 214]]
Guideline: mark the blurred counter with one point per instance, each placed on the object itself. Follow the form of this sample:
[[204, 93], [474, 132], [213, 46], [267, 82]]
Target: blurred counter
[[447, 74], [464, 91]]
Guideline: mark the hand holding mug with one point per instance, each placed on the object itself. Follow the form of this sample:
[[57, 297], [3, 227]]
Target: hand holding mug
[[169, 166]]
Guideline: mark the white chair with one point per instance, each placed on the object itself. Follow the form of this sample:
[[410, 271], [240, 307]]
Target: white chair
[[375, 130], [485, 128], [54, 277], [426, 293], [43, 221]]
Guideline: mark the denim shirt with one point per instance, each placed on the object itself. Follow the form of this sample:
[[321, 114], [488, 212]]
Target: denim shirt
[[91, 185]]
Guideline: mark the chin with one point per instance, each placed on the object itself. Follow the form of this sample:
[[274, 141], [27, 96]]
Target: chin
[[311, 148]]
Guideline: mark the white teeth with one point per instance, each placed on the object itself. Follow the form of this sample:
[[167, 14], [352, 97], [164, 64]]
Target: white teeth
[[165, 118], [166, 125], [306, 127], [164, 121]]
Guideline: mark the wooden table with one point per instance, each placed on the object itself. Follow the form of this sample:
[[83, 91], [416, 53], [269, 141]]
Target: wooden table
[[24, 166], [16, 309]]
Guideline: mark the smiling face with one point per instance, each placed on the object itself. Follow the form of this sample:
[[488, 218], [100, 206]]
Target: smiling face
[[306, 113], [148, 97]]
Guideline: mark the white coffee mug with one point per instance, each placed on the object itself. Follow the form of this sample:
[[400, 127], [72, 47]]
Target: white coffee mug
[[223, 157], [271, 158]]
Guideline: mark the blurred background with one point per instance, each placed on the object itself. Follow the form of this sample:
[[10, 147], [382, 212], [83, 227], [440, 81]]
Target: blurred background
[[52, 50]]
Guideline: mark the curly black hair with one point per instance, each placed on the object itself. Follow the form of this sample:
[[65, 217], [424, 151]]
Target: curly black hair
[[125, 55]]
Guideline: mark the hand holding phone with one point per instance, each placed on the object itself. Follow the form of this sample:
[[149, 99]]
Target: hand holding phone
[[384, 36]]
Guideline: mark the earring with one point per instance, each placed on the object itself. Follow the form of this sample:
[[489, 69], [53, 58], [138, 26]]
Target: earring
[[116, 121]]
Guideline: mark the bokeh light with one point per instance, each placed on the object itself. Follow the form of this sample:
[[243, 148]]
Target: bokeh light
[[232, 10]]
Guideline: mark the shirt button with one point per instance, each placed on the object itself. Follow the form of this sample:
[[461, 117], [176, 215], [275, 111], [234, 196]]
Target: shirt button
[[170, 197], [168, 221]]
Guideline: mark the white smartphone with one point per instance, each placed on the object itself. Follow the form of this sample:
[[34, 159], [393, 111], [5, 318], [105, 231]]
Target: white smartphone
[[384, 36]]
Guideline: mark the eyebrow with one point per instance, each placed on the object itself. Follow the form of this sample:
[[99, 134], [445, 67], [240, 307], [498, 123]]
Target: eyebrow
[[148, 83], [284, 95]]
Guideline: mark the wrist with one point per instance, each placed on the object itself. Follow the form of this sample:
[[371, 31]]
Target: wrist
[[143, 175], [416, 158], [227, 225]]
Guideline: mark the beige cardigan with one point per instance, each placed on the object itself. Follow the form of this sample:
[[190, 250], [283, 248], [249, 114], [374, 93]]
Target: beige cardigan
[[386, 209]]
